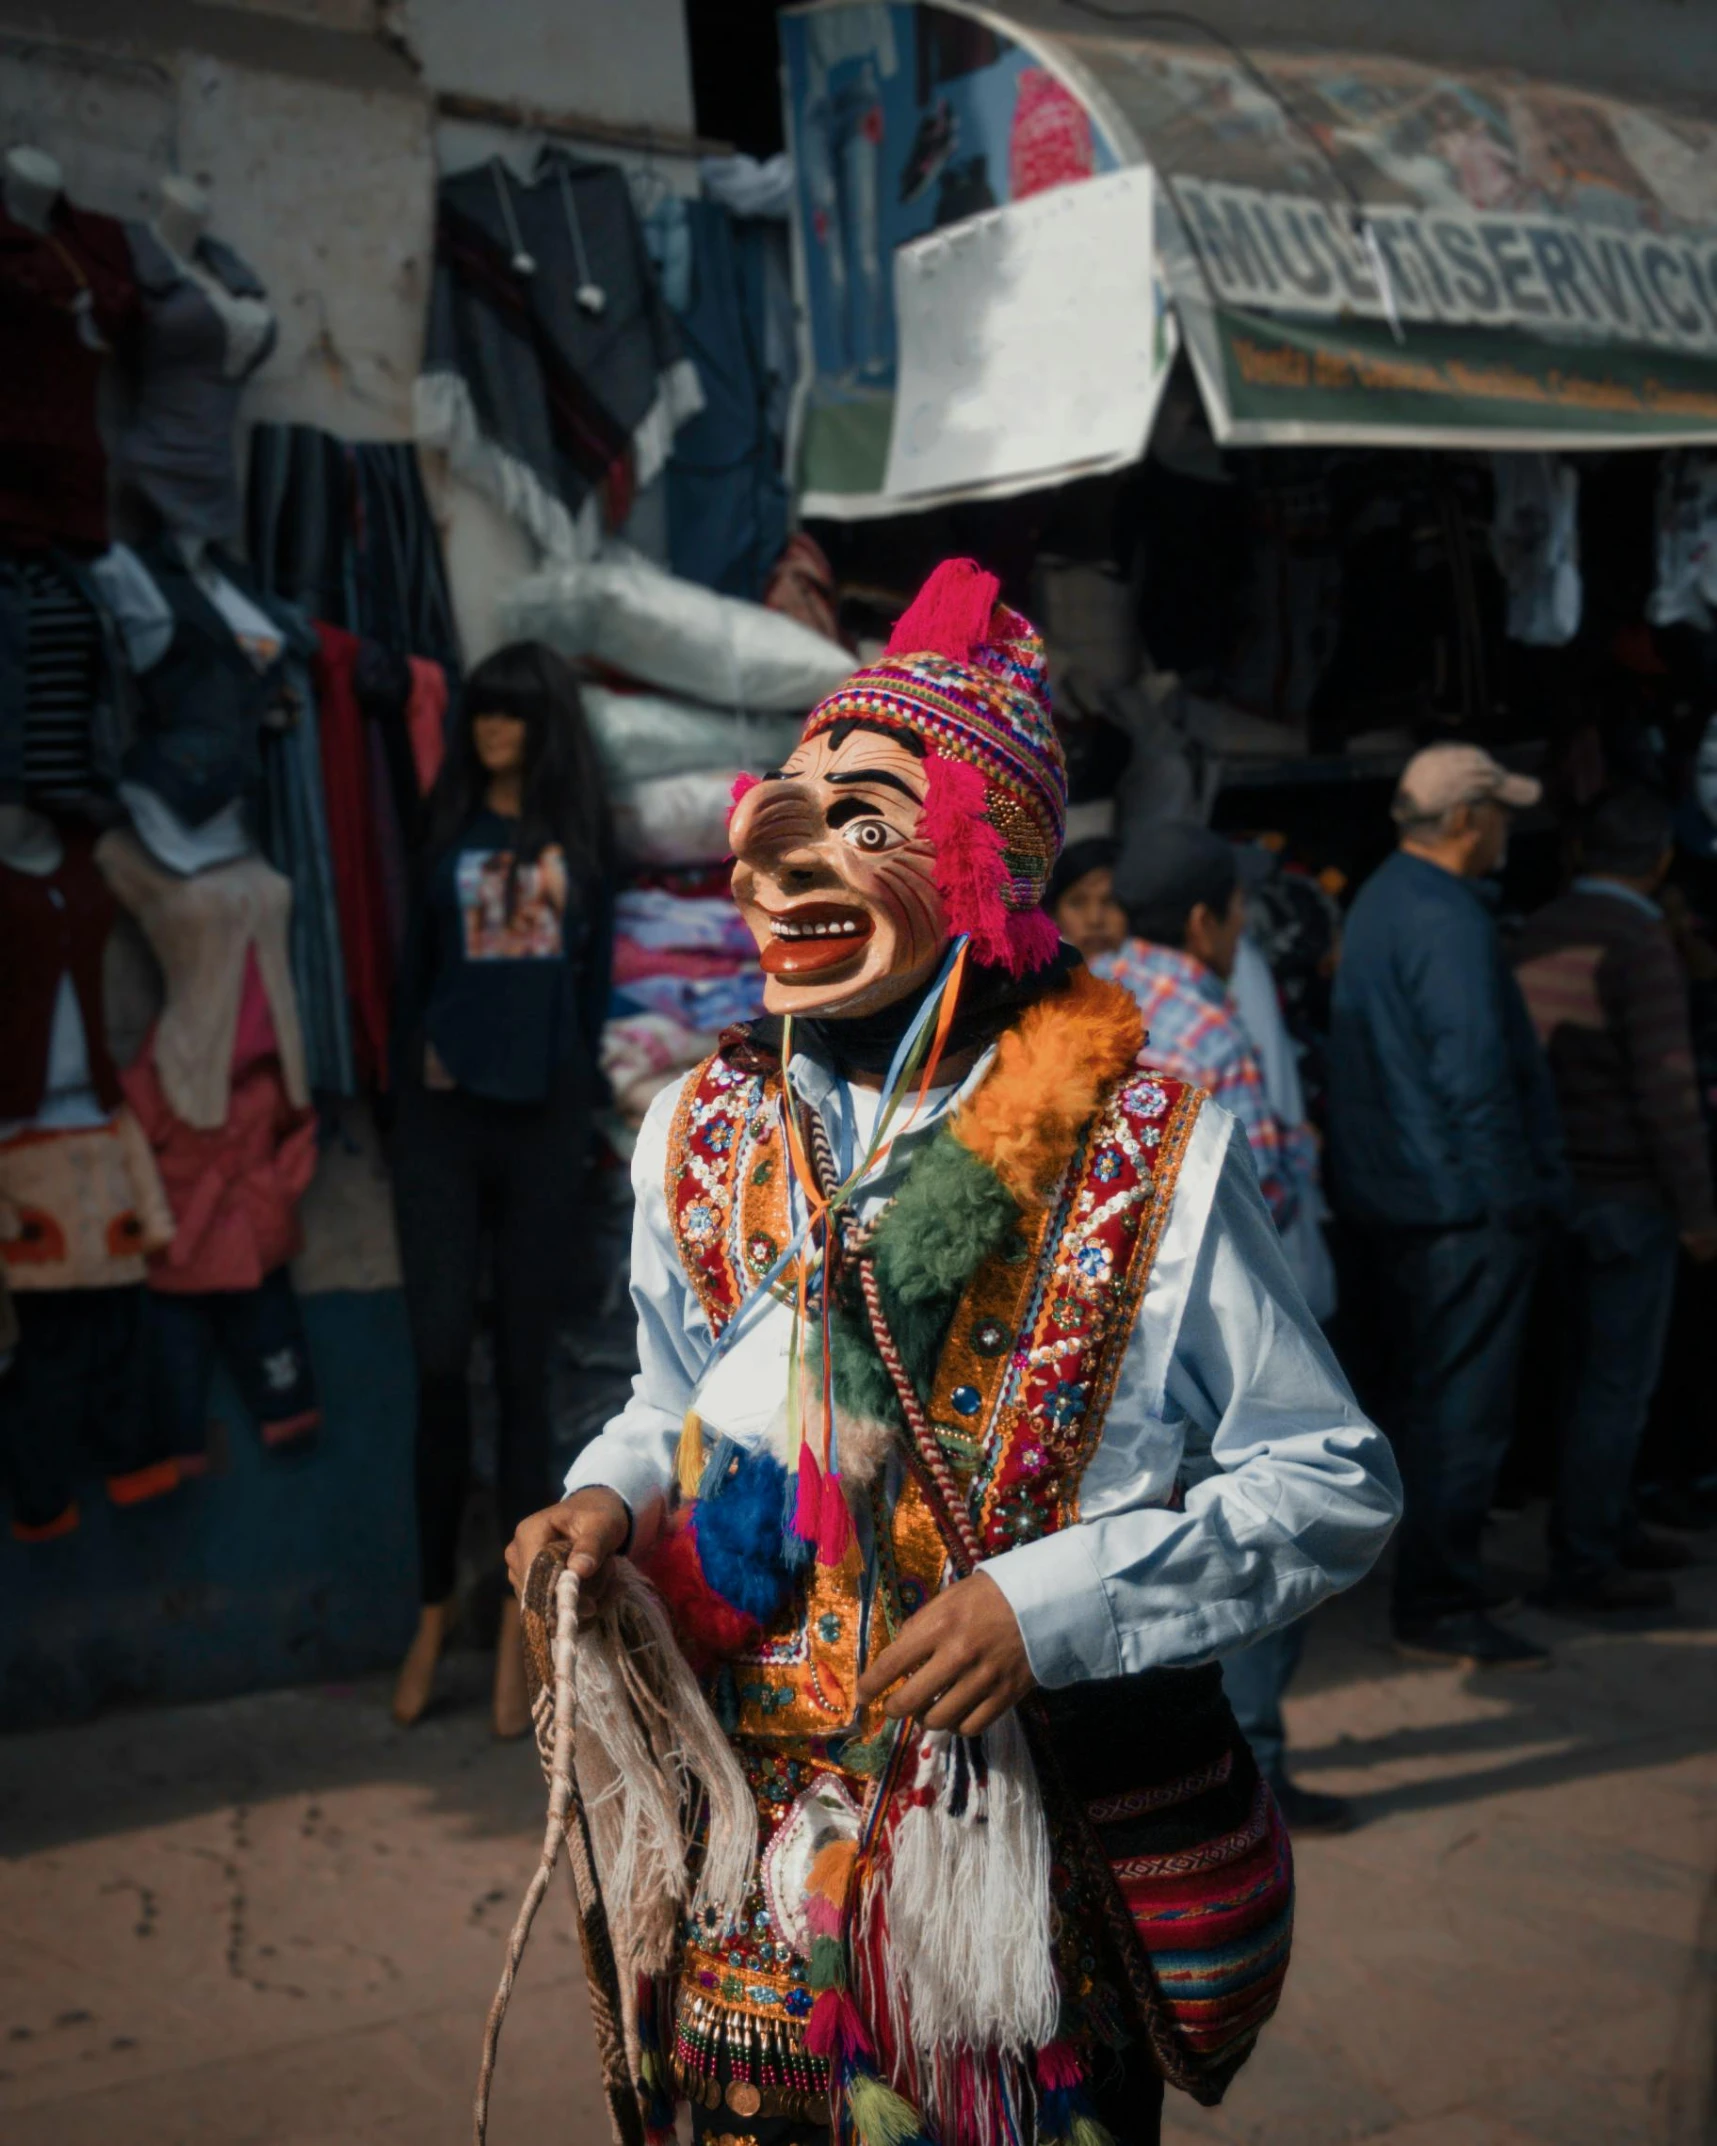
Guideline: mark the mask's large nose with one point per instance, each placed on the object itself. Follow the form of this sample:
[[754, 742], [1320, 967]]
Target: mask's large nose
[[777, 828]]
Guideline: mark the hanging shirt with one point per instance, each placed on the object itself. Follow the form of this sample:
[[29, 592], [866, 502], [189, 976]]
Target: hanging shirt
[[510, 998]]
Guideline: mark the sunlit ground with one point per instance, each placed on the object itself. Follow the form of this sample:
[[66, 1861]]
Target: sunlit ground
[[278, 1921]]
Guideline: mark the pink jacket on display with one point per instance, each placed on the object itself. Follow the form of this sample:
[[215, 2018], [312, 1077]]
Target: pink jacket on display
[[235, 1190]]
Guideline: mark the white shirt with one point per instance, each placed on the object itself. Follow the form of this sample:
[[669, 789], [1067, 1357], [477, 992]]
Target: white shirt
[[1228, 1388]]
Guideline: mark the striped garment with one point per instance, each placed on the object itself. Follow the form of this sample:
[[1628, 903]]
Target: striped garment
[[1193, 1031]]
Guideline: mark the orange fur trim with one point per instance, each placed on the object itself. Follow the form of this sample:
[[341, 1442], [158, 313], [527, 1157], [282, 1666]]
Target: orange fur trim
[[1050, 1074], [831, 1871]]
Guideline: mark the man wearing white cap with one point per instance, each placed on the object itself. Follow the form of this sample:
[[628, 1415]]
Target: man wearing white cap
[[1446, 1157]]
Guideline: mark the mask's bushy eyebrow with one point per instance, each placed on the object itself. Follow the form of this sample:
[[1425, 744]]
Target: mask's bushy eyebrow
[[876, 774]]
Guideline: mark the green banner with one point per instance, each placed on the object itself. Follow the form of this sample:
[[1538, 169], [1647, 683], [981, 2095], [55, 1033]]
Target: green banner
[[1350, 379]]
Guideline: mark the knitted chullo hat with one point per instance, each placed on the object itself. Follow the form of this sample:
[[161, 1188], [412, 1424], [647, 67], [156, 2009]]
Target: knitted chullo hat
[[965, 677]]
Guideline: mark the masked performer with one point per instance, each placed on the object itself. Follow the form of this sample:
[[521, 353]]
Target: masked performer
[[978, 1416]]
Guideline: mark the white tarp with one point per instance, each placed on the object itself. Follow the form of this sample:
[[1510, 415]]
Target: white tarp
[[1034, 344]]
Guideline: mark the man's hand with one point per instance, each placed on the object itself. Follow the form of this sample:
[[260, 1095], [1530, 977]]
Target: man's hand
[[1700, 1245], [962, 1658], [595, 1522]]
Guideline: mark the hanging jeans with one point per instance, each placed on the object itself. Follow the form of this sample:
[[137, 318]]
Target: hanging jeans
[[467, 1168]]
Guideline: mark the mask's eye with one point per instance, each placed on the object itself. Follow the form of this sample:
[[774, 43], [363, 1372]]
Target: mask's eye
[[873, 836]]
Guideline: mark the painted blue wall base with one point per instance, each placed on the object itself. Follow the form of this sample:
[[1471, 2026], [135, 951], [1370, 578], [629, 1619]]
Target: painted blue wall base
[[289, 1568]]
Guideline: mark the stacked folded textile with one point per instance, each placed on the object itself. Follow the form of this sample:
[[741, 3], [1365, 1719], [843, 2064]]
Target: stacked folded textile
[[685, 966]]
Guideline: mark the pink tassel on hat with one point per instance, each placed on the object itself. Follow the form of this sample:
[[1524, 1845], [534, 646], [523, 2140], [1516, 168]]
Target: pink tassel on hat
[[950, 615]]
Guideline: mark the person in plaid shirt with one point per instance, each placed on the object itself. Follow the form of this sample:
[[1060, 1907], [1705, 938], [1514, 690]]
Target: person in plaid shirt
[[1180, 886]]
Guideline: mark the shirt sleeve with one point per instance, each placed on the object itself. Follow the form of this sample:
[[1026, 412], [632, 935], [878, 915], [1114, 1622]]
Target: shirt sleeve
[[633, 1455], [1290, 1492]]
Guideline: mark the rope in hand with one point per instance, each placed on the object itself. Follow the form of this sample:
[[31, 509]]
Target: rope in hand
[[559, 1810]]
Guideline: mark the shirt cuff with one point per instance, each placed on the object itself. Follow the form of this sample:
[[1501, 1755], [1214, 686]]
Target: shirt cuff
[[632, 1476], [1057, 1595]]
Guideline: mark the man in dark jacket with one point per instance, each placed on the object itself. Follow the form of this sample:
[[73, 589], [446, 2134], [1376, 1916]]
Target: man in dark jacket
[[1608, 997], [1446, 1157]]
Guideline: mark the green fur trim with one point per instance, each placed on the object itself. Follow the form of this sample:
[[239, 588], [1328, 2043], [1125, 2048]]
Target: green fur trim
[[862, 1387], [949, 1216], [951, 1213]]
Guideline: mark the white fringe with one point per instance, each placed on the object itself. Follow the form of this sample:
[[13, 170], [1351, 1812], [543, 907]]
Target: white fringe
[[647, 1746], [445, 417], [968, 1910]]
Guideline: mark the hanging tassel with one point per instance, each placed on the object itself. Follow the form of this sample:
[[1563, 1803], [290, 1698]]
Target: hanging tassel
[[879, 2116], [826, 1887], [807, 1507], [688, 1461], [834, 1522], [717, 1468], [1064, 2113], [834, 2029]]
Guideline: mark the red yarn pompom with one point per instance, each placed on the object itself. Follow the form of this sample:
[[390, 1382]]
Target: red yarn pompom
[[708, 1628], [950, 615]]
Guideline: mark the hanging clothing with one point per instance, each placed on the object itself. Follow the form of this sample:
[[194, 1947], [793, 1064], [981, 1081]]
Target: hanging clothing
[[234, 1190], [1535, 540], [54, 929], [205, 697], [63, 669], [205, 330], [78, 1209], [426, 721], [66, 695], [258, 1335], [360, 891], [205, 932], [345, 531], [1686, 585], [77, 1387], [292, 824], [67, 298], [727, 491], [553, 376]]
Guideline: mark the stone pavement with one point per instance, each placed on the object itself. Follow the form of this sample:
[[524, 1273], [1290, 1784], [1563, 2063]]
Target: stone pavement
[[278, 1921]]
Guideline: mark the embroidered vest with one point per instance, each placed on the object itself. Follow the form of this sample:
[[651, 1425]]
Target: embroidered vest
[[1023, 1383]]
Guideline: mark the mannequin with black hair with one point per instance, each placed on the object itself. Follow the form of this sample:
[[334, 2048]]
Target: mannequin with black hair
[[504, 990]]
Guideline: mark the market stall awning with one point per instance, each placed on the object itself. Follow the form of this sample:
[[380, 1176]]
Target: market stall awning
[[1359, 249]]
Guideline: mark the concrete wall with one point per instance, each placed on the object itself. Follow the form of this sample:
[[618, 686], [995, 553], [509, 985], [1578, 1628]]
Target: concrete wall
[[317, 145], [625, 64]]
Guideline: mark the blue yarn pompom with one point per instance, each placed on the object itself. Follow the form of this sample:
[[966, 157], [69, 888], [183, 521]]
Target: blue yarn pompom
[[739, 1537]]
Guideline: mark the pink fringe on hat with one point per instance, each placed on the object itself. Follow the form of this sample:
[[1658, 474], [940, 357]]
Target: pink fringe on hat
[[950, 615], [971, 871]]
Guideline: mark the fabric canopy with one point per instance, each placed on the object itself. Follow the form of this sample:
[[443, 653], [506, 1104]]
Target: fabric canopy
[[1359, 249]]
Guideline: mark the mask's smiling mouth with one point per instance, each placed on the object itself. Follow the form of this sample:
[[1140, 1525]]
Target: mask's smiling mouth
[[814, 937]]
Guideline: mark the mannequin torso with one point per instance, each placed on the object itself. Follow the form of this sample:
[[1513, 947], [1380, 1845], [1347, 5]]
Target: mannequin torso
[[32, 183]]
